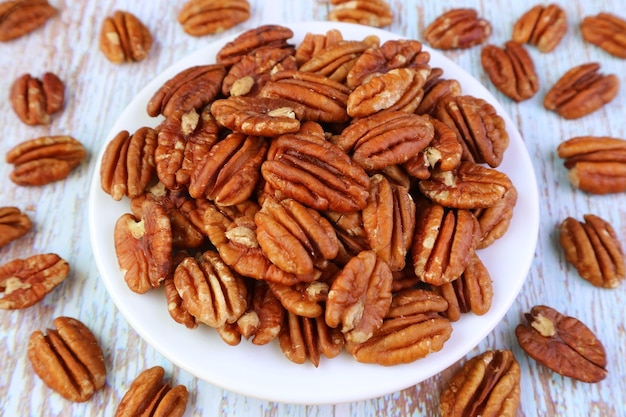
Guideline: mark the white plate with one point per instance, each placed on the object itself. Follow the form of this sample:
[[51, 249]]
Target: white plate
[[263, 372]]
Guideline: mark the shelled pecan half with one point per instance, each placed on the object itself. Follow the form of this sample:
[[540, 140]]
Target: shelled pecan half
[[596, 164], [25, 282], [435, 89], [148, 394], [264, 36], [17, 18], [376, 13], [581, 91], [13, 224], [35, 100], [487, 385], [605, 30], [303, 338], [594, 249], [124, 38], [68, 359], [511, 70], [563, 344], [457, 29], [204, 17], [542, 26]]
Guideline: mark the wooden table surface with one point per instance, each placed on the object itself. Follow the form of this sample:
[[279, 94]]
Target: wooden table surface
[[97, 93]]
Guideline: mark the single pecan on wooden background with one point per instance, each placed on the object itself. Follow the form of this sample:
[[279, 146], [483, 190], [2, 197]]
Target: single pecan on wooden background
[[375, 13], [204, 17], [581, 91], [511, 70], [596, 164], [606, 31], [34, 100], [13, 224], [563, 344], [124, 38], [457, 29], [541, 26], [594, 249], [17, 18]]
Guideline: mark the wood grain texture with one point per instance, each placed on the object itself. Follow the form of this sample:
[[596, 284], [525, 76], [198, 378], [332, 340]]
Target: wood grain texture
[[97, 93]]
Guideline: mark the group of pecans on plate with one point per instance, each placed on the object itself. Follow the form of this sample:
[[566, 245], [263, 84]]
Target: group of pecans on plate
[[327, 195]]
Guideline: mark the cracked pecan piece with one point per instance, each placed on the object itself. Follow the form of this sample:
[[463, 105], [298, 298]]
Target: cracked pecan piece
[[359, 297], [304, 299], [258, 116], [245, 43], [376, 13], [190, 89], [471, 292], [563, 344], [606, 31], [303, 338], [412, 329], [487, 385], [470, 186], [541, 26], [18, 18], [68, 359], [384, 139], [127, 167], [316, 173], [443, 243], [228, 174], [124, 38], [398, 89], [322, 99], [479, 128], [459, 28], [594, 249], [183, 142], [46, 159], [13, 224], [263, 320], [210, 290], [143, 246], [443, 153], [149, 395], [392, 54], [204, 17], [389, 221], [596, 164], [35, 100], [511, 70], [25, 282], [581, 90]]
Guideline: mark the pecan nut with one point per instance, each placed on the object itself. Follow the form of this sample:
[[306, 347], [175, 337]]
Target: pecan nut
[[457, 29], [148, 394], [581, 91], [542, 26], [596, 164], [562, 343], [376, 13], [35, 100], [359, 297], [511, 70], [495, 220], [127, 167], [436, 89], [303, 338], [252, 39], [314, 44], [44, 160], [594, 249], [124, 38], [263, 321], [412, 329], [210, 290], [479, 128], [143, 246], [387, 138], [443, 243], [605, 30], [399, 89], [13, 224], [68, 359], [304, 167], [192, 88], [17, 18], [487, 385], [25, 282], [204, 17]]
